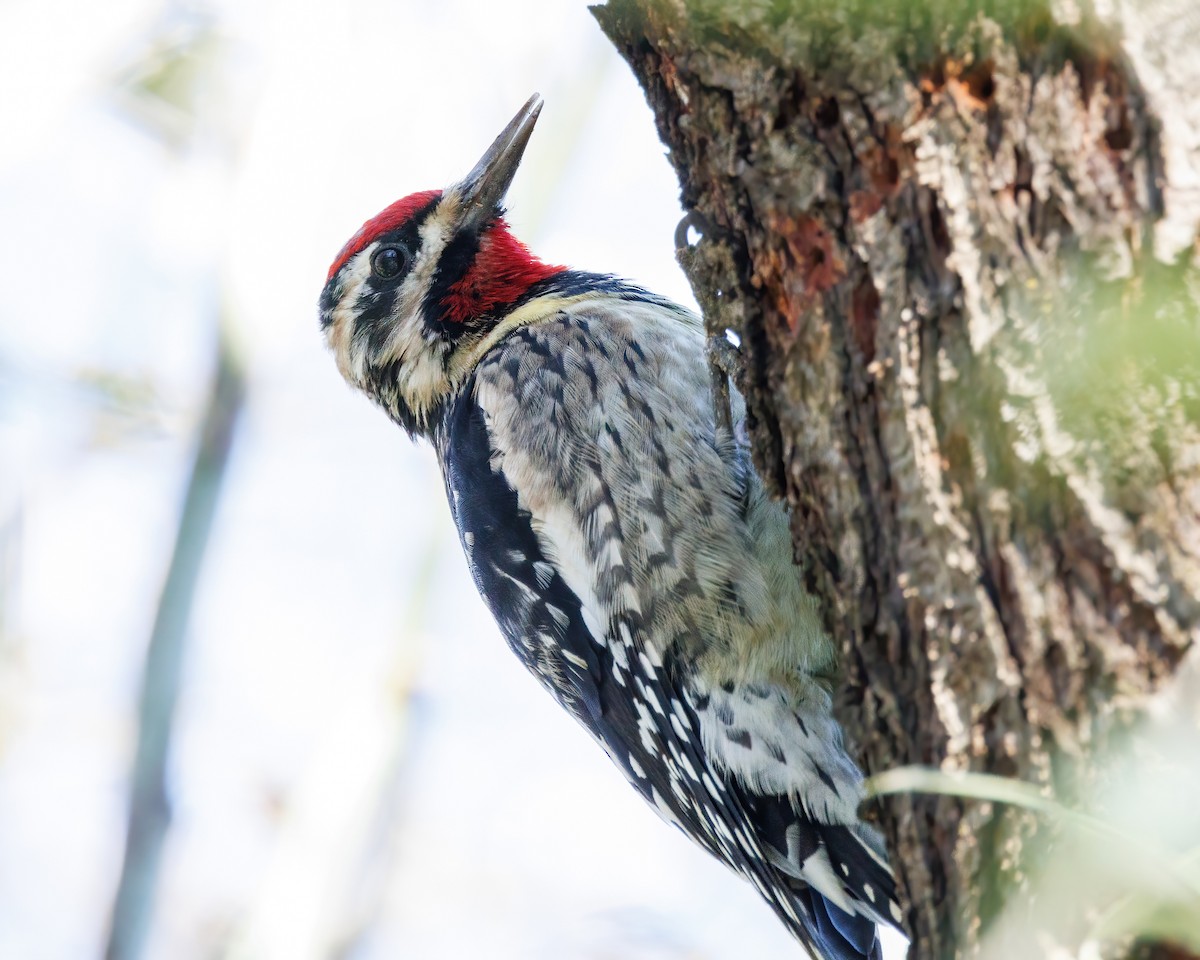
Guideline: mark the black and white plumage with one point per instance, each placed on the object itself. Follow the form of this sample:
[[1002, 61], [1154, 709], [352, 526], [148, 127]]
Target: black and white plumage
[[620, 536]]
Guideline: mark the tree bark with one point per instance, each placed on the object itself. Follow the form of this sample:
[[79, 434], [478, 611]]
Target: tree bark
[[956, 242]]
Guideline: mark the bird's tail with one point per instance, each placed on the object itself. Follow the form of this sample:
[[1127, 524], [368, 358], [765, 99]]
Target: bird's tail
[[837, 935], [843, 919]]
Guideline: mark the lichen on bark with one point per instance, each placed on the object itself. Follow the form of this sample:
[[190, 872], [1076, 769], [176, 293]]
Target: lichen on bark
[[931, 226]]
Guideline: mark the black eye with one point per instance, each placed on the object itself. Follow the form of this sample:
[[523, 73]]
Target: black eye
[[387, 263]]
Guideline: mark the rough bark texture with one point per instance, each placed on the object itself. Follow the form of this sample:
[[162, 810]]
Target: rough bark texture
[[969, 376]]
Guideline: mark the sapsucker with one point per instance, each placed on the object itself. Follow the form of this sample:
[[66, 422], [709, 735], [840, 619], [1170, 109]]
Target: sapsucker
[[615, 527]]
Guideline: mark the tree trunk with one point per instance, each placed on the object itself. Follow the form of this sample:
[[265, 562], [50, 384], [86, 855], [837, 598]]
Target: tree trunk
[[957, 245]]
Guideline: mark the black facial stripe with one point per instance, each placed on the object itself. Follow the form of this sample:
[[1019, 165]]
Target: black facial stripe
[[328, 302], [453, 264], [372, 315]]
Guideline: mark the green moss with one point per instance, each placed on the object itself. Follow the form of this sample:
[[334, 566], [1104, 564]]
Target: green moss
[[822, 36]]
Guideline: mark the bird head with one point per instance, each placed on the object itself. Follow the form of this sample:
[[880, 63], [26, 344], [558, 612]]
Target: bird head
[[413, 295]]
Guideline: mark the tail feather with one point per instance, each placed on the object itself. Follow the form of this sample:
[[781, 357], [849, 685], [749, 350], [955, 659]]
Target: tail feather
[[841, 935], [792, 796], [837, 876], [856, 853]]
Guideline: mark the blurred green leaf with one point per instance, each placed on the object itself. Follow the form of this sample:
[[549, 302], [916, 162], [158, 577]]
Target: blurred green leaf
[[166, 83], [1168, 909]]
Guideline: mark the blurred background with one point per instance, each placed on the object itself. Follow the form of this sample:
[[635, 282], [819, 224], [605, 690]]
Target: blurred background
[[192, 502]]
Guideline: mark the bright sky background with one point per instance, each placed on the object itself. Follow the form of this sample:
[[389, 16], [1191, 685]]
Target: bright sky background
[[360, 763]]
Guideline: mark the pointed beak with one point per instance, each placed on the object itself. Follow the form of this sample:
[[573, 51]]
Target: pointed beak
[[484, 187]]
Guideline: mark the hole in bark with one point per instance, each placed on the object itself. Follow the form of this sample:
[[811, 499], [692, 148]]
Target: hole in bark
[[791, 104], [828, 113], [1058, 671], [890, 170], [1119, 135], [938, 231], [864, 316], [981, 82], [993, 722], [1023, 181]]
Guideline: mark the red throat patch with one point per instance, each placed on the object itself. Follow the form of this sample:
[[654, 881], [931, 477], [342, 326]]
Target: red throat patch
[[502, 271], [391, 218]]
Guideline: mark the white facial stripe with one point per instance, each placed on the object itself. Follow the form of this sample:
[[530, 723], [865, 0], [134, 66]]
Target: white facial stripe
[[350, 357], [416, 351]]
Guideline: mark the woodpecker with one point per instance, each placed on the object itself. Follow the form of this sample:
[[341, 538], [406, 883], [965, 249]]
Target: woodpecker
[[615, 527]]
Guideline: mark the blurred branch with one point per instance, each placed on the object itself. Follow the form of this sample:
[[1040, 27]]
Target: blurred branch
[[149, 810], [166, 87], [11, 530], [172, 88], [12, 677], [325, 886]]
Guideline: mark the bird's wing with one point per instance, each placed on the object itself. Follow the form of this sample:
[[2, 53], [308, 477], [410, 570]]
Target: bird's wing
[[522, 556], [610, 558]]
